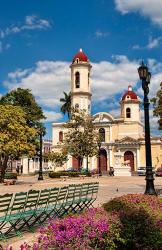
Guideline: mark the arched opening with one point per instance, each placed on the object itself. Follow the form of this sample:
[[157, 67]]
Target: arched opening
[[60, 136], [77, 80], [103, 161], [128, 113], [76, 105], [129, 156], [102, 134]]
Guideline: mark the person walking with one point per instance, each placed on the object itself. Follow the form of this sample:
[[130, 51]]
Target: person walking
[[111, 172]]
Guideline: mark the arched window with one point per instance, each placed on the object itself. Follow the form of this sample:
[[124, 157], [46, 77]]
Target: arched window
[[60, 136], [102, 134], [88, 79], [77, 80], [76, 105], [128, 113]]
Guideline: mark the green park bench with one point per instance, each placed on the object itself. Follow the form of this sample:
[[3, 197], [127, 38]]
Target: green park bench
[[25, 210]]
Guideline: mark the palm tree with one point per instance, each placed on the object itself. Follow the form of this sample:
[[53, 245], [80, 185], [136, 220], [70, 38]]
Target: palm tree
[[66, 107]]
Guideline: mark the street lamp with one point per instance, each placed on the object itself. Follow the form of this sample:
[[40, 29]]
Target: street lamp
[[99, 158], [41, 134], [145, 76]]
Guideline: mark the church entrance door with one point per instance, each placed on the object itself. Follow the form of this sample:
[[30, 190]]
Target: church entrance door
[[75, 163], [103, 161], [128, 155]]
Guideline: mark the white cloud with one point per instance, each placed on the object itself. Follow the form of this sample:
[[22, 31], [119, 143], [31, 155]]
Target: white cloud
[[136, 46], [101, 34], [153, 122], [32, 22], [47, 81], [155, 84], [112, 78], [52, 116], [149, 8], [4, 46], [154, 42]]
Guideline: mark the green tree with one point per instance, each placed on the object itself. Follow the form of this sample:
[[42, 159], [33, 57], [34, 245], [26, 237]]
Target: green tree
[[81, 137], [15, 136], [34, 114], [25, 99], [57, 158], [157, 104], [66, 107]]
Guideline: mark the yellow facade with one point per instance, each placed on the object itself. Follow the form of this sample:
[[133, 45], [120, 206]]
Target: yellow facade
[[123, 143]]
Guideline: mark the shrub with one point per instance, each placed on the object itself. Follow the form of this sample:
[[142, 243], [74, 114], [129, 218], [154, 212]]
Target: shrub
[[84, 171], [141, 217], [90, 230], [10, 175], [65, 173]]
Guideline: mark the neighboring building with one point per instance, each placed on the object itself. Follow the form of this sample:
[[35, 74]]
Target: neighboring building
[[27, 165], [123, 142]]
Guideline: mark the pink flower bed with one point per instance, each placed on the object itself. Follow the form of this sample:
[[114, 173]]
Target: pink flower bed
[[82, 232], [127, 222]]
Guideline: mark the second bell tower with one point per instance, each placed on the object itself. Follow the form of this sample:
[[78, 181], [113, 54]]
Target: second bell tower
[[80, 82]]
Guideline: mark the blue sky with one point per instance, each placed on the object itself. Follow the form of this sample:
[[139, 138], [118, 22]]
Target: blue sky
[[39, 38]]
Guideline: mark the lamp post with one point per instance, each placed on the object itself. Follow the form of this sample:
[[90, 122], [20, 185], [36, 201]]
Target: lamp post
[[99, 158], [145, 76], [41, 134]]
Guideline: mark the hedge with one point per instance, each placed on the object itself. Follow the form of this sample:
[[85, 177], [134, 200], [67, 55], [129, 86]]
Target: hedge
[[10, 175], [65, 173]]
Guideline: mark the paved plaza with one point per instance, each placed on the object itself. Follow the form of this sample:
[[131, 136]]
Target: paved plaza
[[109, 187]]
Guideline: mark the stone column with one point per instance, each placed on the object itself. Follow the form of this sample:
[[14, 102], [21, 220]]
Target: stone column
[[93, 162], [110, 157], [84, 164], [69, 162], [138, 158], [31, 166], [25, 165]]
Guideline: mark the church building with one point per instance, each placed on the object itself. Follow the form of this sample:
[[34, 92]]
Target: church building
[[123, 144]]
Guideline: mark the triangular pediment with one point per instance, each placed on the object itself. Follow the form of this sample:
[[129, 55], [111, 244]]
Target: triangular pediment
[[127, 139]]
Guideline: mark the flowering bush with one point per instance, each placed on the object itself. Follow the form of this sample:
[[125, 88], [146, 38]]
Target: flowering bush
[[90, 230], [131, 222], [93, 229]]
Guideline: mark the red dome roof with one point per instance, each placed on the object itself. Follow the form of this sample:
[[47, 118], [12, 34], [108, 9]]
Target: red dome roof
[[81, 56], [129, 94]]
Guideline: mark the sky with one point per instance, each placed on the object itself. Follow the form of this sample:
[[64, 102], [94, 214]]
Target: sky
[[39, 38]]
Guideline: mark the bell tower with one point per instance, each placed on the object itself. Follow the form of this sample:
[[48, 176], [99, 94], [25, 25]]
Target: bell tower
[[130, 109], [80, 82]]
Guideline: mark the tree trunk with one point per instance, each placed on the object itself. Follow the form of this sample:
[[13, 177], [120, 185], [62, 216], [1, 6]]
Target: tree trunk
[[87, 165], [3, 168], [80, 163]]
